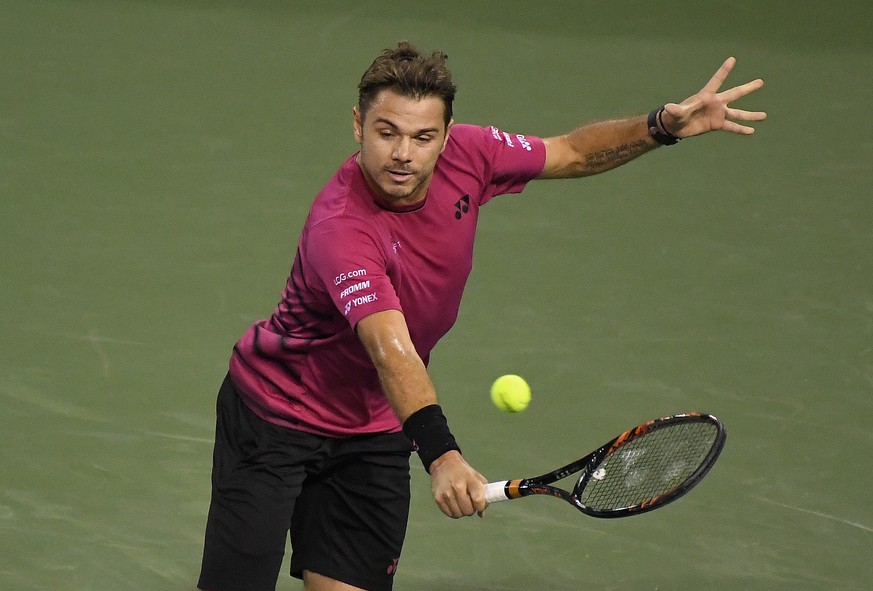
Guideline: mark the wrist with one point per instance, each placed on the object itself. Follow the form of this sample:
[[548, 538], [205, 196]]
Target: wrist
[[658, 131], [428, 430], [453, 455]]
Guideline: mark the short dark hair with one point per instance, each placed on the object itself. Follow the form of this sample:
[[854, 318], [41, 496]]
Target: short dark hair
[[404, 70]]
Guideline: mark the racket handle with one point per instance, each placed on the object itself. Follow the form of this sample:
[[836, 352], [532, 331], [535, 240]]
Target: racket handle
[[496, 491]]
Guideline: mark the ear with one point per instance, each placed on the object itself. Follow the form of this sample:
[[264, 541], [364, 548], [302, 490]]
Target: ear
[[448, 131], [358, 124]]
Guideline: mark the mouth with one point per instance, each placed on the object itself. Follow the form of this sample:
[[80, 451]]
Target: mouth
[[399, 176]]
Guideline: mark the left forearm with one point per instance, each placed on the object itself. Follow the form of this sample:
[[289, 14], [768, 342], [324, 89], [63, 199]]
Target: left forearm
[[597, 147]]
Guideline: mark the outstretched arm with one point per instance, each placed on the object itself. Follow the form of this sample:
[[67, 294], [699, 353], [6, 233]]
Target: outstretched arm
[[599, 147]]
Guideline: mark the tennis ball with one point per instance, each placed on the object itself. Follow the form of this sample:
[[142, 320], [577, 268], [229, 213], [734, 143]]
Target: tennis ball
[[510, 393]]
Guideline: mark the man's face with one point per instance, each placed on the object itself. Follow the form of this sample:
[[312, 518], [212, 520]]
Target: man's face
[[401, 139]]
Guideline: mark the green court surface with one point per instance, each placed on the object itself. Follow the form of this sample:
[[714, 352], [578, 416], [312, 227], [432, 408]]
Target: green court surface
[[157, 159]]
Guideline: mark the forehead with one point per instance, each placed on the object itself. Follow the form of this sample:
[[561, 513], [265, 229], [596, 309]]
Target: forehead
[[406, 112]]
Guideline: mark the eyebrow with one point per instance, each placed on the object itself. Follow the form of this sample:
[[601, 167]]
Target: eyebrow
[[418, 132]]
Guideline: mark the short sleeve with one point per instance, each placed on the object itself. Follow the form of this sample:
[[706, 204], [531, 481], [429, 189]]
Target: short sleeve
[[348, 257], [506, 161]]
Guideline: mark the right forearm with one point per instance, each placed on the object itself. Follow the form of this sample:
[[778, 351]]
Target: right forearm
[[410, 391], [405, 382], [402, 373]]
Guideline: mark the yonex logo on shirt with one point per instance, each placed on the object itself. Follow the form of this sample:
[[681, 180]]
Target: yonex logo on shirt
[[463, 205], [359, 301]]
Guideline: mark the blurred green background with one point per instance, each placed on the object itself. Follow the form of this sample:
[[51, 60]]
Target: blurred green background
[[157, 160]]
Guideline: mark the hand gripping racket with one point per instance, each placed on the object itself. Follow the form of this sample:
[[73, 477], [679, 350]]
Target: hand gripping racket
[[642, 469]]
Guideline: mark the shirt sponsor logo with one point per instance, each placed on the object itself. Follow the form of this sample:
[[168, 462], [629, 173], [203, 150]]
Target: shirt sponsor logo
[[462, 206], [349, 275], [502, 136], [359, 301], [353, 288]]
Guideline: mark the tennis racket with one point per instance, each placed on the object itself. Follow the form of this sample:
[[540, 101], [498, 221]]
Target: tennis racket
[[642, 469]]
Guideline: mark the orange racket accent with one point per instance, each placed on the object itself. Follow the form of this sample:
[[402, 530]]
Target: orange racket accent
[[630, 435]]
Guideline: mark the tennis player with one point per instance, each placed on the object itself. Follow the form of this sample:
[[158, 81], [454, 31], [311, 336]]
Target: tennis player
[[325, 400]]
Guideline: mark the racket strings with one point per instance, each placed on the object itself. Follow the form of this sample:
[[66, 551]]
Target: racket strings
[[649, 466]]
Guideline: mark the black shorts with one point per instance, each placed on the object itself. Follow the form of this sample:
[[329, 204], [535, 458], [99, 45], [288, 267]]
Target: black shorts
[[345, 501]]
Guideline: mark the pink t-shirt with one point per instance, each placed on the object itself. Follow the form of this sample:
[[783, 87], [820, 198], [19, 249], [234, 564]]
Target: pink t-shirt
[[305, 367]]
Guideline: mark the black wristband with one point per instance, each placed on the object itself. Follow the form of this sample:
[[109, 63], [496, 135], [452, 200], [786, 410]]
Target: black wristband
[[657, 130], [428, 430]]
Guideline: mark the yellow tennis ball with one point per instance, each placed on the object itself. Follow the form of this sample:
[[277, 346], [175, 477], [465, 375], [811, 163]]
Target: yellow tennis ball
[[510, 393]]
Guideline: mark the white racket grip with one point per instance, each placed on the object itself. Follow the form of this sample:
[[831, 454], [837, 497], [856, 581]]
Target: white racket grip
[[496, 491]]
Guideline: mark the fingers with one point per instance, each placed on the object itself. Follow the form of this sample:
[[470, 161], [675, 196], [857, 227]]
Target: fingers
[[734, 93], [455, 506], [730, 95], [732, 127], [458, 489], [741, 115], [709, 110], [732, 116], [720, 76], [462, 499]]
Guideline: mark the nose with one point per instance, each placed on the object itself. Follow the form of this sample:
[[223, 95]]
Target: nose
[[402, 150]]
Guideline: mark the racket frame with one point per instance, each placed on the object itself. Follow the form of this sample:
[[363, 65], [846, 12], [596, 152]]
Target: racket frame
[[587, 466]]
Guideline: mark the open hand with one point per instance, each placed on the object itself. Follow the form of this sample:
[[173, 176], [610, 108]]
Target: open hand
[[710, 110]]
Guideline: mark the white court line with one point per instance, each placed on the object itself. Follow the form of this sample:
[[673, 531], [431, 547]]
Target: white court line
[[816, 513], [179, 437], [92, 337]]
